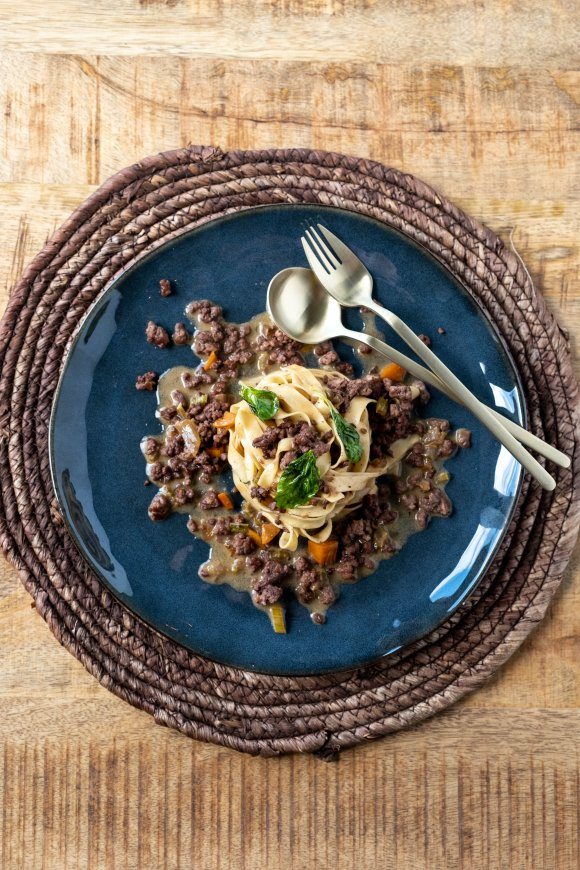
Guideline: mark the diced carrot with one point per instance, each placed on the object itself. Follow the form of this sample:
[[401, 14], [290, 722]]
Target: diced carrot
[[215, 451], [225, 422], [323, 552], [269, 532], [255, 537], [226, 500], [393, 372], [210, 361]]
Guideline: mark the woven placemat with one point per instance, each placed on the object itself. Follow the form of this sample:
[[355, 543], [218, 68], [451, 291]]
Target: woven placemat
[[147, 204]]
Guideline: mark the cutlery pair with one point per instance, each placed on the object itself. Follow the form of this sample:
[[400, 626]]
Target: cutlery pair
[[350, 283]]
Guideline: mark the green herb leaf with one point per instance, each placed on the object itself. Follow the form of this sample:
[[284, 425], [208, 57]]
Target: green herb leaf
[[263, 403], [300, 481], [348, 434]]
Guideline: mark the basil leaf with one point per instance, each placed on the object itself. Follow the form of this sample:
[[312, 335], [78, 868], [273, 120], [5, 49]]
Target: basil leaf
[[263, 403], [299, 482], [348, 434]]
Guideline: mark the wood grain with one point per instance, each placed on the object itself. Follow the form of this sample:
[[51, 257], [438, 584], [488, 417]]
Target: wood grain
[[489, 115], [436, 31]]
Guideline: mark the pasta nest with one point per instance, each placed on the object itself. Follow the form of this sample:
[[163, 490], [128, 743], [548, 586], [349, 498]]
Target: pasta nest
[[302, 396]]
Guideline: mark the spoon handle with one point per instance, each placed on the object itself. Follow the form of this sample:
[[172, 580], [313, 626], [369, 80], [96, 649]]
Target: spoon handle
[[495, 424], [527, 438], [446, 377]]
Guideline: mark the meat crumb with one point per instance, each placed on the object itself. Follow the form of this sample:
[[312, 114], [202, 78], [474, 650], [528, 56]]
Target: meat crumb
[[425, 339], [156, 335], [323, 348], [160, 507], [463, 438], [180, 334], [254, 562], [441, 330], [268, 588], [147, 381], [205, 310], [329, 359], [260, 493], [209, 501], [150, 448], [240, 544], [165, 287]]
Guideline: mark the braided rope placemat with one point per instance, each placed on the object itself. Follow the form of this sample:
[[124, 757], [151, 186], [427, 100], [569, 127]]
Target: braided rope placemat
[[147, 204]]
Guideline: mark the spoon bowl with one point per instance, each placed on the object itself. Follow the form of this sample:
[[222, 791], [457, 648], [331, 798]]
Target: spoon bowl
[[300, 306]]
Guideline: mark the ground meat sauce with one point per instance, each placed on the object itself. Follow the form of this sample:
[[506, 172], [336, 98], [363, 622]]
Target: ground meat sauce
[[188, 461]]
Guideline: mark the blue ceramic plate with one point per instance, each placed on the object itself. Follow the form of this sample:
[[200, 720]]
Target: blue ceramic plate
[[99, 418]]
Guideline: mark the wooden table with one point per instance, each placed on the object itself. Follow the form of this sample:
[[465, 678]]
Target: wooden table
[[481, 100]]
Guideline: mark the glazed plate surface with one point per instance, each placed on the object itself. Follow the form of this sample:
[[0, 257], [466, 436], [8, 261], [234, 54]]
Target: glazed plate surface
[[99, 418]]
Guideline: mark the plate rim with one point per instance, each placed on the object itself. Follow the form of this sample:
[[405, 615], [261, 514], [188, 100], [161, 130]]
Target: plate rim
[[177, 236]]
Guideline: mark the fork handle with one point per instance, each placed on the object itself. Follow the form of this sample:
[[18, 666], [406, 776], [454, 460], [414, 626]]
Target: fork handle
[[528, 438], [459, 389], [479, 410]]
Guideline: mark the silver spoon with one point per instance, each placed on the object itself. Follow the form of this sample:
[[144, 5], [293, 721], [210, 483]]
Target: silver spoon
[[300, 306], [348, 280]]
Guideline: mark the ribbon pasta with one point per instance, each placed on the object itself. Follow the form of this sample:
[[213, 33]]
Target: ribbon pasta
[[301, 393]]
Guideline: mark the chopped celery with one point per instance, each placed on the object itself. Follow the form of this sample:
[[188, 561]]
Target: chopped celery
[[277, 618], [382, 406]]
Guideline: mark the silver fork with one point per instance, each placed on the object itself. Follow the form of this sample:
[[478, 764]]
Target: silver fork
[[348, 280]]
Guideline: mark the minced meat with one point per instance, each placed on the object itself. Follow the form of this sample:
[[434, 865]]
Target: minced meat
[[183, 495], [240, 544], [156, 335], [313, 585], [147, 381], [254, 562], [279, 347], [192, 380], [209, 501], [205, 310], [268, 587], [151, 448], [221, 527], [436, 502], [180, 334], [304, 437], [160, 507], [206, 342], [463, 438]]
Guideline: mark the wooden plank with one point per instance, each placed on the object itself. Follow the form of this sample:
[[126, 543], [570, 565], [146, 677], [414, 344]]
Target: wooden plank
[[489, 115], [495, 32], [155, 802], [73, 119]]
